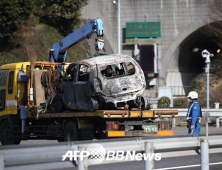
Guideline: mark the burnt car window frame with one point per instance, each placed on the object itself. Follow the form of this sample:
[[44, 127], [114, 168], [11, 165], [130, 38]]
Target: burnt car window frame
[[133, 68], [73, 74], [125, 69], [113, 64], [77, 73]]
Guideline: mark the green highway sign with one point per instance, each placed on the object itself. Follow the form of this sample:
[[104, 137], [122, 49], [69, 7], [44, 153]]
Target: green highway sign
[[143, 29]]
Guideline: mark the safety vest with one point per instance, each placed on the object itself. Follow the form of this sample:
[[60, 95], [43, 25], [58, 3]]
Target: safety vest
[[188, 113]]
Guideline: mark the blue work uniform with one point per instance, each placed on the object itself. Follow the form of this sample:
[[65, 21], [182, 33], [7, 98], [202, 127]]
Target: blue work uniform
[[194, 113]]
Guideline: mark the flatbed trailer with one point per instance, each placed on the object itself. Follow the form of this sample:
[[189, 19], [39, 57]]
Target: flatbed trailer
[[153, 113], [98, 124]]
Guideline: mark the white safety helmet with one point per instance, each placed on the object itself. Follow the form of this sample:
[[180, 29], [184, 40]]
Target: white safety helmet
[[193, 95]]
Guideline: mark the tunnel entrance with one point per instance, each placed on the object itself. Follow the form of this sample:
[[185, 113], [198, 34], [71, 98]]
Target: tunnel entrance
[[190, 58], [190, 61]]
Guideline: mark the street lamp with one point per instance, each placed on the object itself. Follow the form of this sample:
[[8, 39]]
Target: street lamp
[[206, 54], [118, 25]]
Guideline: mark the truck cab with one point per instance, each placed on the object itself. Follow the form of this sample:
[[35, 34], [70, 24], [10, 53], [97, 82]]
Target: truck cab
[[12, 91]]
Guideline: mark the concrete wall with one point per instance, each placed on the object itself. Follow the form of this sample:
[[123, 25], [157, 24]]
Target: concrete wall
[[179, 18]]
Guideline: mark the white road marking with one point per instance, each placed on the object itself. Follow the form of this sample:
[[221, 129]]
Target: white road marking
[[189, 166]]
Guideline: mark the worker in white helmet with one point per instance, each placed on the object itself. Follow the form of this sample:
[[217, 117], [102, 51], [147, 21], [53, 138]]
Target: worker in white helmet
[[194, 114]]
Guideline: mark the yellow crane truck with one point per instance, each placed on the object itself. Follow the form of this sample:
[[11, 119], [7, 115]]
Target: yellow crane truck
[[22, 116], [98, 97]]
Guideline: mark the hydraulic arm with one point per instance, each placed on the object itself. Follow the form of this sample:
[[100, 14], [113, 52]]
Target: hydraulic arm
[[59, 51]]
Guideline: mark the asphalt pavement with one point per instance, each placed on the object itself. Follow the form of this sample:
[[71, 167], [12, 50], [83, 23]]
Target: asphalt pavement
[[180, 163], [177, 131]]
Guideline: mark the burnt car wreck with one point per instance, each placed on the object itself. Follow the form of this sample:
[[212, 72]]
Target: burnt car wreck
[[102, 82]]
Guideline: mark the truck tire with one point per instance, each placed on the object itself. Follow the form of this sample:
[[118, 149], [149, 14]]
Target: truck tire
[[6, 135], [71, 133]]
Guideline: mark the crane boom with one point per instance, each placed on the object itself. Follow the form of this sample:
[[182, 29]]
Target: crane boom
[[59, 51]]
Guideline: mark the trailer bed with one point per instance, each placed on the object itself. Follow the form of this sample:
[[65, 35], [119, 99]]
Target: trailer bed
[[161, 113]]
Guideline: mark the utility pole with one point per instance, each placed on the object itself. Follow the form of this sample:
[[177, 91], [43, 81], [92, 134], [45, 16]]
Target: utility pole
[[119, 52], [204, 142], [118, 25], [206, 54]]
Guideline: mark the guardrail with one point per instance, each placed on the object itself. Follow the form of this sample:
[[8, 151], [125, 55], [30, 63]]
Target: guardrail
[[183, 112], [50, 156], [213, 113]]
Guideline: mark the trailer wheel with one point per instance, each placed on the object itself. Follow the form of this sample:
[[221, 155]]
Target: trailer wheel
[[71, 133], [6, 135]]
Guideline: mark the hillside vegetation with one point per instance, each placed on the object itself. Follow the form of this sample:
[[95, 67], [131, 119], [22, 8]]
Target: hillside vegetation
[[47, 36], [213, 30], [198, 84], [30, 28]]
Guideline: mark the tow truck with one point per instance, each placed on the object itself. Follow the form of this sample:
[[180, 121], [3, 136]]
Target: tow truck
[[32, 104]]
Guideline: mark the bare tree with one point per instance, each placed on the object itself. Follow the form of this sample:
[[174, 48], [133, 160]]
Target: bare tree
[[31, 50], [26, 36], [214, 27]]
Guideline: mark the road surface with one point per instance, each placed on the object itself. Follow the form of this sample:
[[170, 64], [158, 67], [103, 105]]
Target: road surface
[[177, 131], [180, 163]]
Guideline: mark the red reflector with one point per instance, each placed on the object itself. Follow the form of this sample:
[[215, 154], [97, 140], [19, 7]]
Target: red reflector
[[109, 126]]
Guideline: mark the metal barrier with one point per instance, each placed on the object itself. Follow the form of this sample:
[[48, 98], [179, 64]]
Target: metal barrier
[[213, 113], [49, 157]]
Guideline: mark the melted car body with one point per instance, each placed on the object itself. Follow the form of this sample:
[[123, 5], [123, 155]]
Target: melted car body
[[104, 82]]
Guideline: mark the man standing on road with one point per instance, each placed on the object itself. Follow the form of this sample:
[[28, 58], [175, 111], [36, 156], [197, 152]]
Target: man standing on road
[[194, 114]]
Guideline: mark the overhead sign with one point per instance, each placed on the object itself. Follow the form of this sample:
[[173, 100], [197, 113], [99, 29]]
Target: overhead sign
[[143, 29], [143, 41]]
